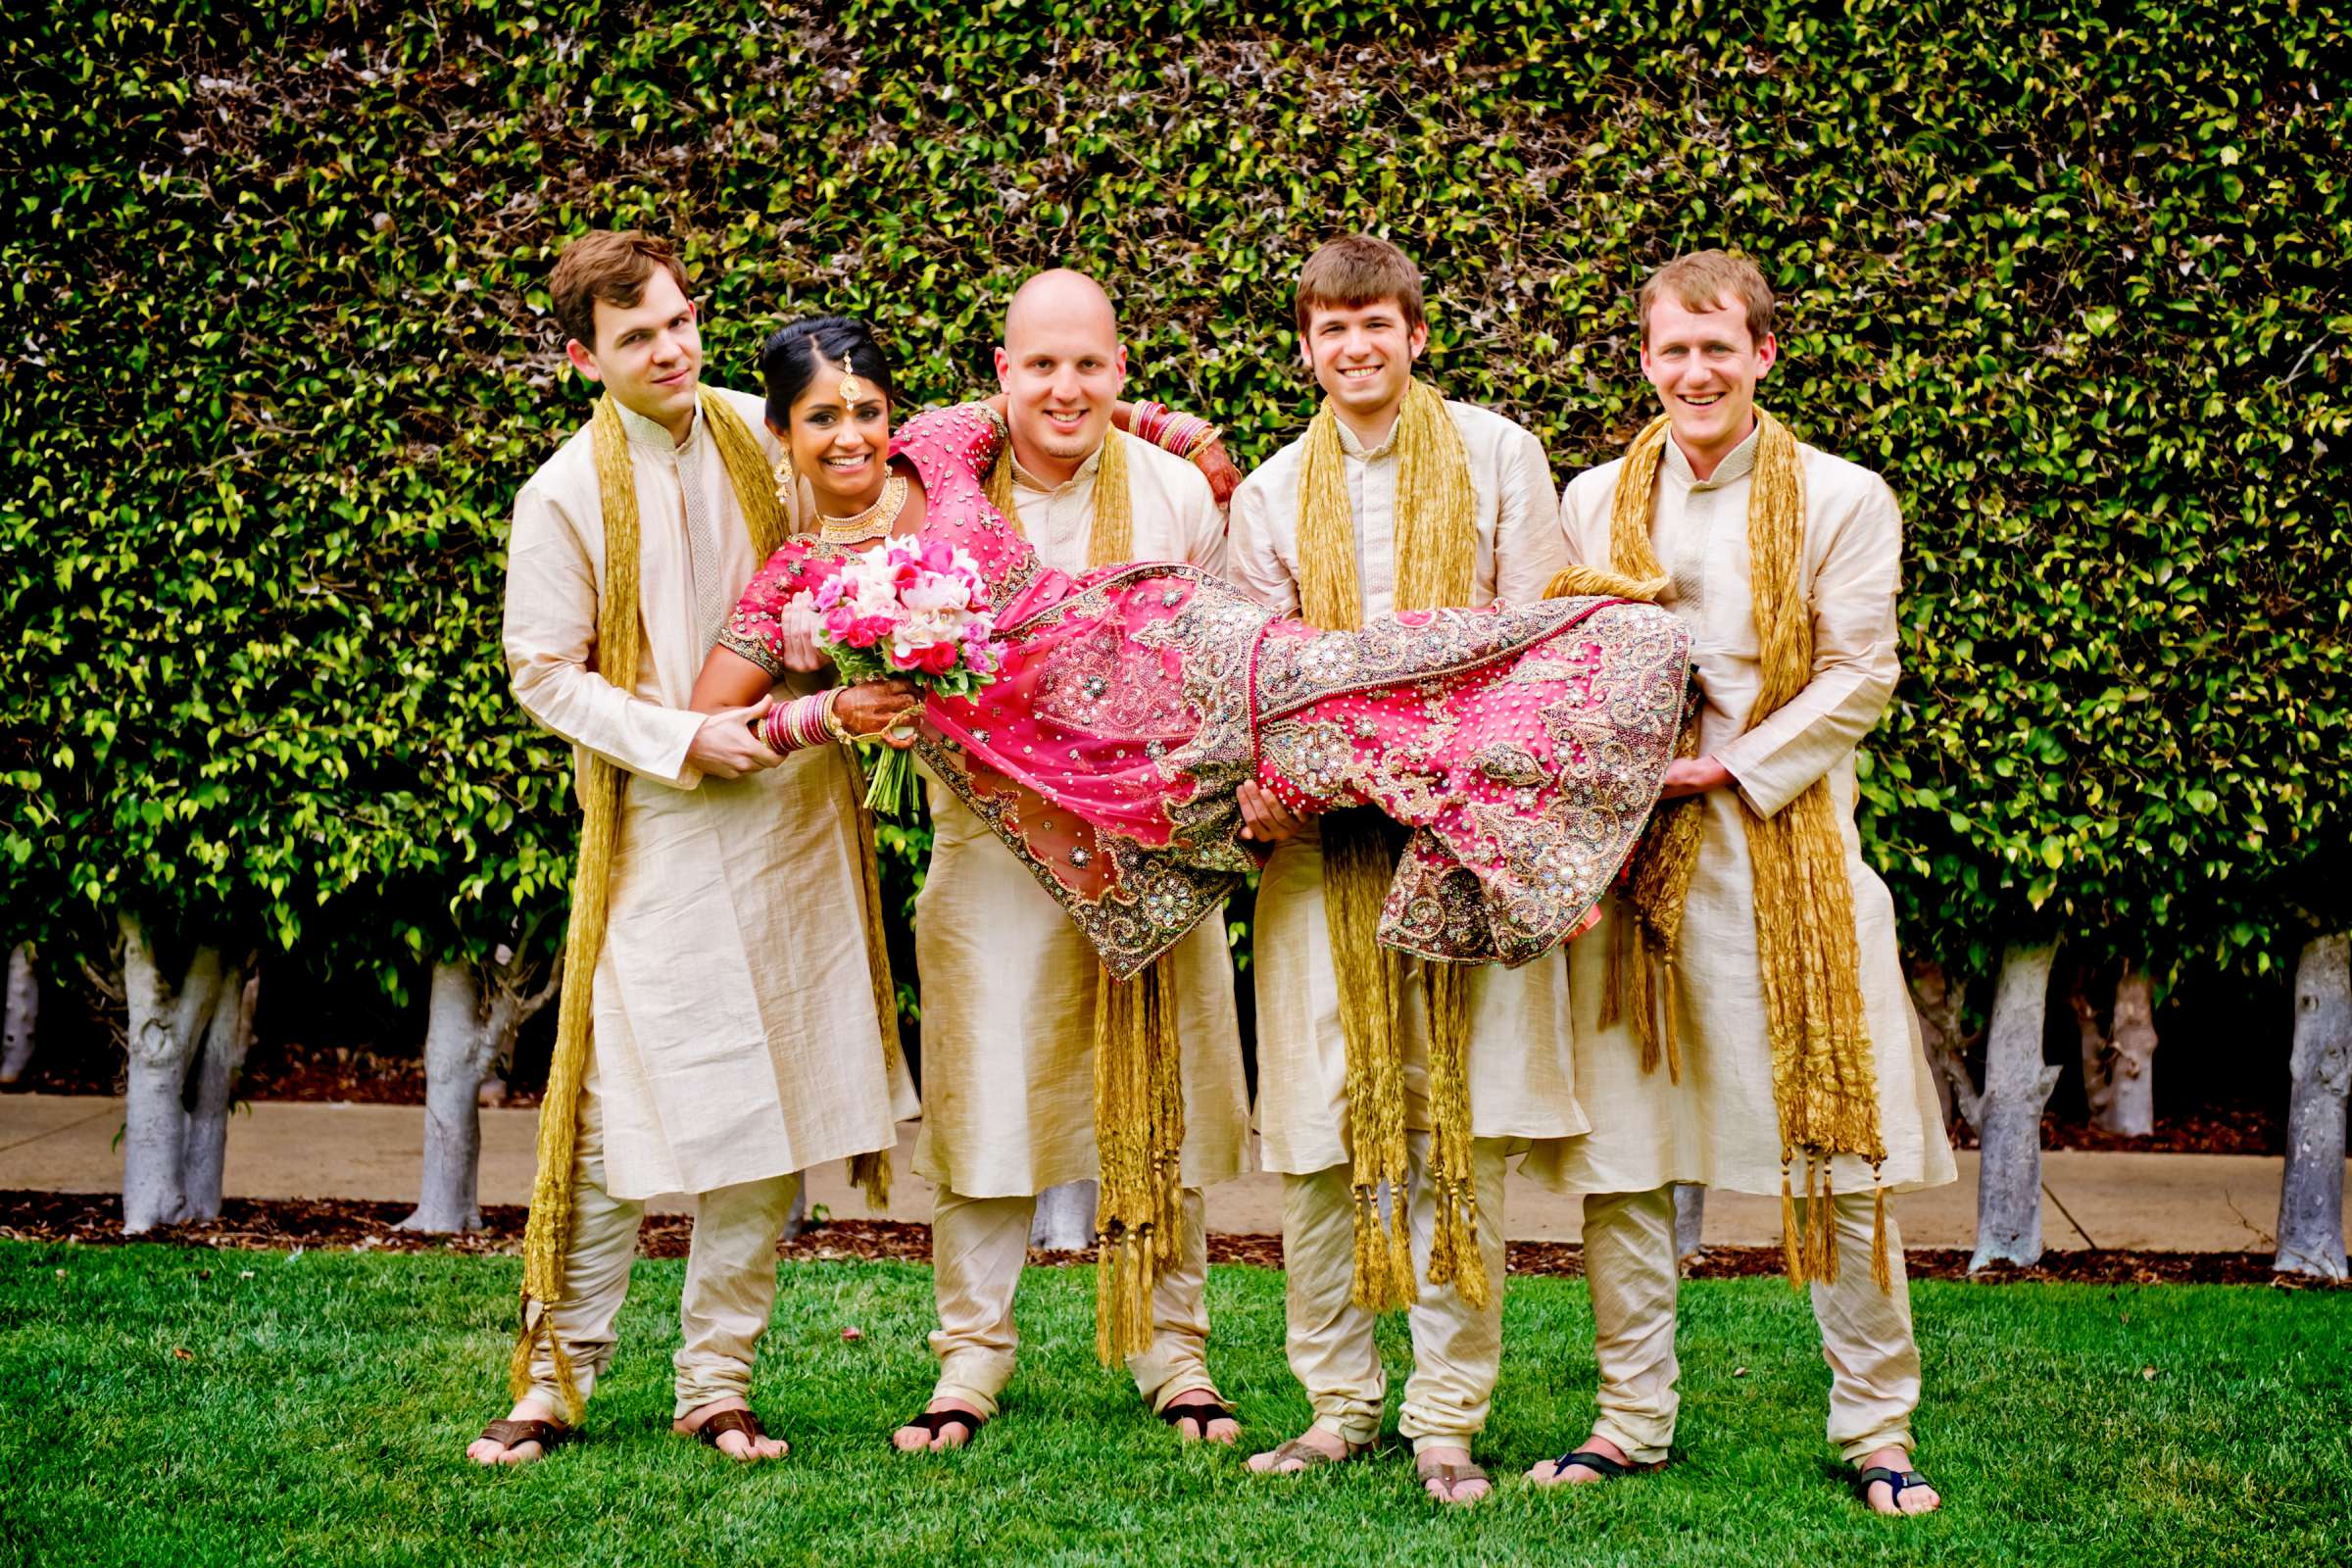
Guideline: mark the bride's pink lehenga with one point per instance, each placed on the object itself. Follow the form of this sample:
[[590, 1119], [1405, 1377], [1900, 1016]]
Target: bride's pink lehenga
[[1524, 748]]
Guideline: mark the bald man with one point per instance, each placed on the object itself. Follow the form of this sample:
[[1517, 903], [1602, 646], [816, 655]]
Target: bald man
[[1009, 982]]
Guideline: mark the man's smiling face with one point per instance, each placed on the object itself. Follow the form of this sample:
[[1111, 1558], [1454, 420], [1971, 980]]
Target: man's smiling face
[[1364, 355], [1705, 366]]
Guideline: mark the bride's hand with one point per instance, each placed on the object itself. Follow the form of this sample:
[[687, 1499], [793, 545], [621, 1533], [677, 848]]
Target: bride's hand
[[1216, 467], [798, 630], [874, 707]]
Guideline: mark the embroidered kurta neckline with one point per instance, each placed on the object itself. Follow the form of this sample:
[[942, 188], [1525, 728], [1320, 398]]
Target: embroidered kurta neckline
[[646, 432]]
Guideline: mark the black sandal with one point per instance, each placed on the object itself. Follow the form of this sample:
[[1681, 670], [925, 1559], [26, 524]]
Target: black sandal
[[932, 1420], [1897, 1481], [1601, 1464], [1201, 1410]]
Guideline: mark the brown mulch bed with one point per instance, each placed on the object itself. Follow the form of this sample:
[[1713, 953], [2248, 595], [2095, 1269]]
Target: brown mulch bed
[[96, 1219], [2239, 1129]]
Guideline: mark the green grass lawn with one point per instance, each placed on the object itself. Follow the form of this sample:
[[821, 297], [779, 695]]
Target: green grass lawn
[[159, 1406]]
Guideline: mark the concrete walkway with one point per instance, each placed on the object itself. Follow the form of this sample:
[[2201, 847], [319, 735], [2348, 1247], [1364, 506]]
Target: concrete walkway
[[287, 1149]]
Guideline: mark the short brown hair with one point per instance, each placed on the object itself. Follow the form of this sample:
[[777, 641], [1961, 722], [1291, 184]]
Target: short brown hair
[[1355, 270], [612, 265], [1703, 279]]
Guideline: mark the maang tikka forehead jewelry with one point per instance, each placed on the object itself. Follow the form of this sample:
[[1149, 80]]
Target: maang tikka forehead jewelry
[[852, 390]]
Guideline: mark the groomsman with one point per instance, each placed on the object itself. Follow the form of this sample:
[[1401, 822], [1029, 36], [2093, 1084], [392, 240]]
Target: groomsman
[[1395, 498], [1780, 950], [725, 1035], [1009, 982]]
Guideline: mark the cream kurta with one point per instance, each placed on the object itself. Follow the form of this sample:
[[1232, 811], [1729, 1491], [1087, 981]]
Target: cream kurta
[[1522, 1069], [1720, 1127], [1009, 982], [735, 1035]]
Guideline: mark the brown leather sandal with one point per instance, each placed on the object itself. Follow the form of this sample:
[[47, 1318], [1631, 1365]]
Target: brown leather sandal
[[549, 1435], [743, 1421], [1450, 1476], [1310, 1457]]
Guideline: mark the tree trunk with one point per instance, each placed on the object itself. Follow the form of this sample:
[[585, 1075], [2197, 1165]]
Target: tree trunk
[[2017, 1086], [470, 1023], [1689, 1219], [2130, 1108], [219, 1059], [1065, 1217], [24, 1007], [459, 1049], [1937, 1007], [2098, 1079], [2311, 1202], [164, 1022]]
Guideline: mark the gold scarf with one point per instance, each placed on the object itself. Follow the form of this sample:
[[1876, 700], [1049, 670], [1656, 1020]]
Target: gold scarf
[[1139, 1082], [547, 1238], [1824, 1077], [1437, 552]]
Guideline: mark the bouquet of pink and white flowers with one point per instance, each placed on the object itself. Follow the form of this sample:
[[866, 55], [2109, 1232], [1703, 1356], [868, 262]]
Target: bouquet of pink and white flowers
[[908, 609]]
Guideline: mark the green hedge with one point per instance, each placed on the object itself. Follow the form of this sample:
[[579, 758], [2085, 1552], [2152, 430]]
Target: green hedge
[[2069, 274]]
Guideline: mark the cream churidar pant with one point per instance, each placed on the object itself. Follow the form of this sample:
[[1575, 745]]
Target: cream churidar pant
[[1719, 1126], [1522, 1067], [1009, 1017], [730, 1278]]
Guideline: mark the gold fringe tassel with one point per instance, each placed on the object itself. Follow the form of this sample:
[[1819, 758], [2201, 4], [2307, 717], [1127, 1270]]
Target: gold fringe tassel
[[1882, 1262], [1452, 1174], [1139, 1138]]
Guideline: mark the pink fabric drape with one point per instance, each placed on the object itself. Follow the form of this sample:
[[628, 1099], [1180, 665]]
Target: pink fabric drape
[[1523, 748]]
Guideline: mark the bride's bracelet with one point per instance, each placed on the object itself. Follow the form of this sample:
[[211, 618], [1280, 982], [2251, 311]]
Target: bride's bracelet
[[801, 723], [1184, 434]]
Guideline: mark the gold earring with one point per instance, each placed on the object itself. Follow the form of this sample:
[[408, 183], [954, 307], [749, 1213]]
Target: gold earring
[[787, 492]]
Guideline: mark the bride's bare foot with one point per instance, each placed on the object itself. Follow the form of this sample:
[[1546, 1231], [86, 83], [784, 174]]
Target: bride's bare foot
[[937, 1437], [737, 1445], [1309, 1449], [514, 1447], [1552, 1472]]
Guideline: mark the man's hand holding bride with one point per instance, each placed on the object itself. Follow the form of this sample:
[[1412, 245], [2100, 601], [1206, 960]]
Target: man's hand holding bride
[[1264, 818]]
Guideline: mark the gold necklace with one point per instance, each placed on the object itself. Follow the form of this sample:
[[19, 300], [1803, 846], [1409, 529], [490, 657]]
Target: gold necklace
[[873, 522]]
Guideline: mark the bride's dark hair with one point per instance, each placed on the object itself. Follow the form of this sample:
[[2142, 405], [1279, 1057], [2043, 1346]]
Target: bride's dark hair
[[788, 361]]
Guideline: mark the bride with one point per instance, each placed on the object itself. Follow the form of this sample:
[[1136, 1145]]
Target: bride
[[1519, 749], [1522, 747]]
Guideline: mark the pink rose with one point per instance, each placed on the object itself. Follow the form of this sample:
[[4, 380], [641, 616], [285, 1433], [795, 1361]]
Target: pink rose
[[940, 657]]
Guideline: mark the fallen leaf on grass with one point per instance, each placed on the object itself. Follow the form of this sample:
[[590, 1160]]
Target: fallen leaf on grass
[[853, 1335], [1739, 1371], [2148, 1374], [180, 1352], [245, 1274]]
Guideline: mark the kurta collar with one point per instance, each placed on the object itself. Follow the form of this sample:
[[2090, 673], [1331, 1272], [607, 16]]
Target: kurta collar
[[1737, 466], [643, 431], [1353, 445], [1086, 470]]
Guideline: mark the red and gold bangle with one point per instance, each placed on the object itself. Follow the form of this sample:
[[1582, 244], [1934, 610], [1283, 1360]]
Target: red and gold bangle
[[801, 723], [1184, 434]]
